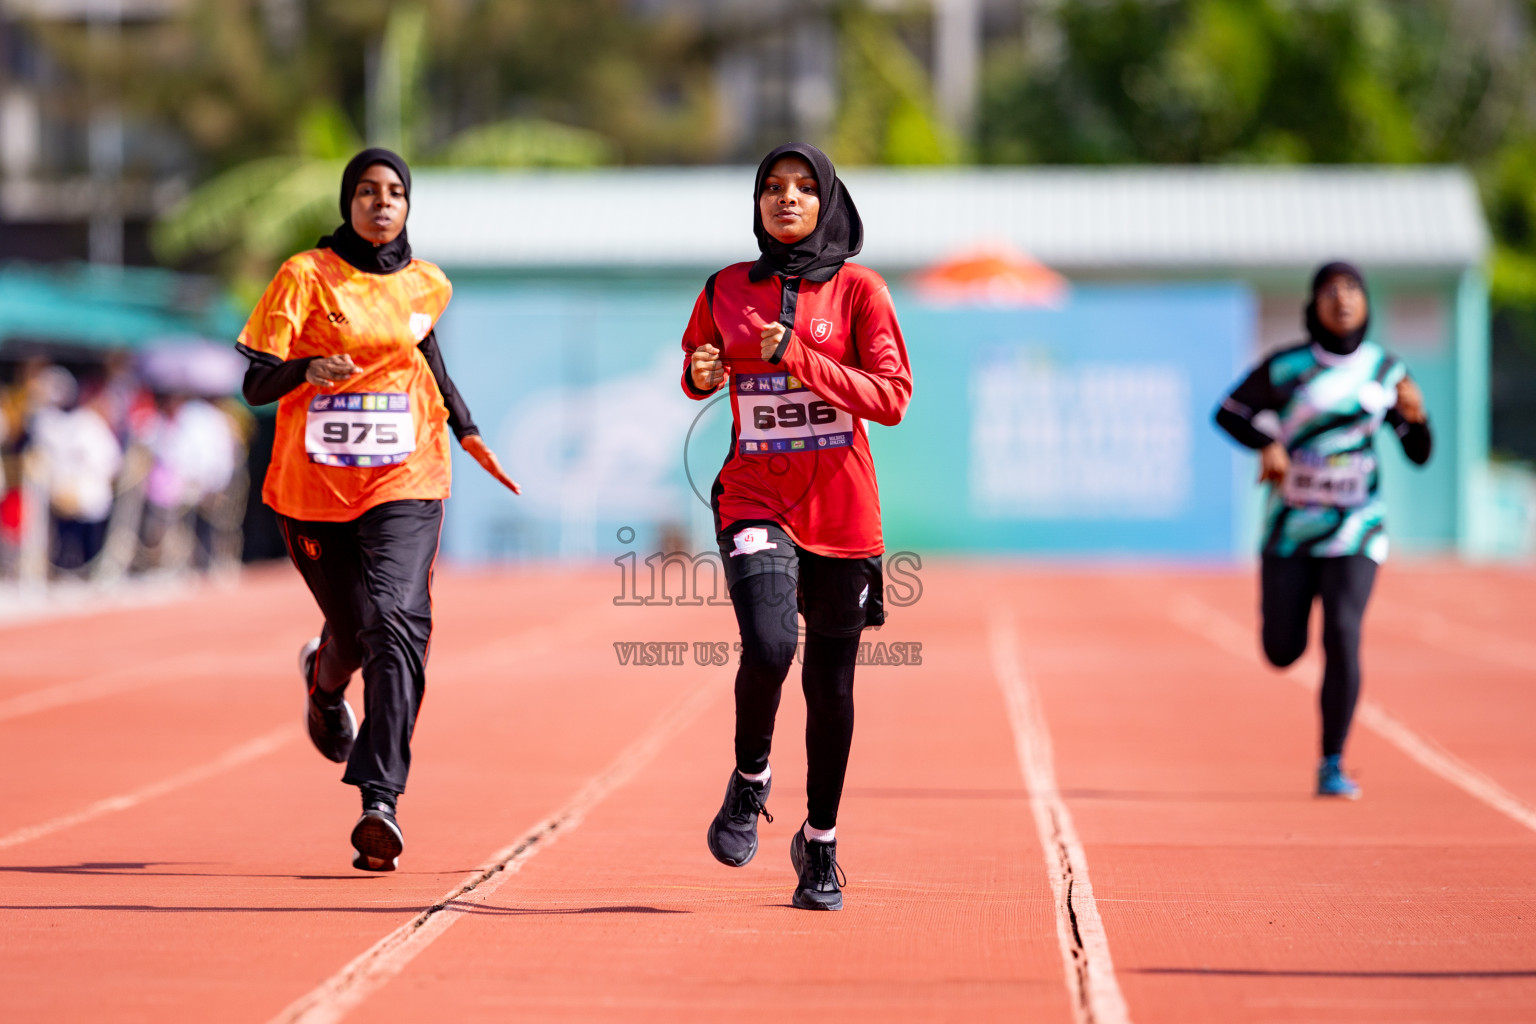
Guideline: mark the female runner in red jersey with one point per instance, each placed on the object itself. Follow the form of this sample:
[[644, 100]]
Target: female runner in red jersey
[[345, 341], [809, 346]]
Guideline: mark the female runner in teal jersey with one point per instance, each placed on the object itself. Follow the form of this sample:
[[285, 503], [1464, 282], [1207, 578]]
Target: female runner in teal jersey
[[1324, 531]]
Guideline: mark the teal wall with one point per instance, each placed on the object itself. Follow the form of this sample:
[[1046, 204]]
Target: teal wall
[[1080, 431], [574, 380]]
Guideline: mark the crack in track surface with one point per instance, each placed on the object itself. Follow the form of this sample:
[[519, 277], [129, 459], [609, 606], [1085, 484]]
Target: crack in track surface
[[1090, 972], [339, 994]]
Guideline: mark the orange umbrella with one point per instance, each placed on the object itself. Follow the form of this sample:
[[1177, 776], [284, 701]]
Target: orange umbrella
[[994, 276]]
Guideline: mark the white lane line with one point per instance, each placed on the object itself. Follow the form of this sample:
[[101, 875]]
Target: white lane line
[[1230, 635], [1090, 972], [339, 994], [22, 606], [1436, 630], [233, 758], [213, 664], [137, 676]]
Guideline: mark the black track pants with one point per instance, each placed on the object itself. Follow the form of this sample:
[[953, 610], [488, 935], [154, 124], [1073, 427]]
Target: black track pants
[[372, 578], [838, 596], [1289, 585]]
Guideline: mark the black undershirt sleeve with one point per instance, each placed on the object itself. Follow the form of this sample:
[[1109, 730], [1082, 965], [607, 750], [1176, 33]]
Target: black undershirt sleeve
[[1236, 412], [269, 378], [459, 420], [1416, 438]]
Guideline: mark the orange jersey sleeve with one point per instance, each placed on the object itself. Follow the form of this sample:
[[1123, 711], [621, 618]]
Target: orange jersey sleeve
[[279, 317]]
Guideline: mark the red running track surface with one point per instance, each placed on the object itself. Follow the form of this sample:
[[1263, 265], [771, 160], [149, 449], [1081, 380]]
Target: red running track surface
[[171, 849]]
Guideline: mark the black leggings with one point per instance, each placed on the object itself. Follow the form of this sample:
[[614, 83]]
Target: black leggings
[[766, 611], [1289, 586]]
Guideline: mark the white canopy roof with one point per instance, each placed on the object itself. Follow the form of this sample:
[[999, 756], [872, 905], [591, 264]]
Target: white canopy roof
[[1158, 218]]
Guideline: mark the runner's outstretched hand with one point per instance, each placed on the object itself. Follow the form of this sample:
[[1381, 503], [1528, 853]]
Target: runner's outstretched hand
[[1274, 463], [328, 370], [476, 446]]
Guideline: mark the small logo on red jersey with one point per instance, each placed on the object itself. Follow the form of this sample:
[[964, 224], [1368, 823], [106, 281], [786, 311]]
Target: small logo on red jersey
[[821, 330], [337, 318], [311, 547]]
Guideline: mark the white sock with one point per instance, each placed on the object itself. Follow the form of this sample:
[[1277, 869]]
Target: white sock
[[820, 835], [760, 778]]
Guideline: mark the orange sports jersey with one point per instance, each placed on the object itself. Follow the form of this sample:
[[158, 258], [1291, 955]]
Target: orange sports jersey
[[381, 435]]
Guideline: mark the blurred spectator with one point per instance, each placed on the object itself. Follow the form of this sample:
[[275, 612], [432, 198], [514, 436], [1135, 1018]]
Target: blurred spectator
[[126, 403], [143, 468], [196, 453], [38, 385], [79, 457], [15, 415]]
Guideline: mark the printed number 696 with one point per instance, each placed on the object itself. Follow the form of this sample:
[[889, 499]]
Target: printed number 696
[[792, 414], [336, 432]]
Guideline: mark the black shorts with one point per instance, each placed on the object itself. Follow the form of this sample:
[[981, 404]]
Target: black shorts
[[836, 596]]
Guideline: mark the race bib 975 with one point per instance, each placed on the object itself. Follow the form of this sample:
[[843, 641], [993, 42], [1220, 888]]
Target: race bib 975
[[780, 414], [359, 429]]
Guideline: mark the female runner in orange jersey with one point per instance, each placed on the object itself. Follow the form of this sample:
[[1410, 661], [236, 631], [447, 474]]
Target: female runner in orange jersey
[[344, 341]]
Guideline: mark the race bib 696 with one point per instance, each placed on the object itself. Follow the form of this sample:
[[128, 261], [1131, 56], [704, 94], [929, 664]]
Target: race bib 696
[[359, 429], [780, 414]]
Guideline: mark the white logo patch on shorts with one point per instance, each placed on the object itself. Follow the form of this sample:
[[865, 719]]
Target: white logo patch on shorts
[[752, 540], [864, 595]]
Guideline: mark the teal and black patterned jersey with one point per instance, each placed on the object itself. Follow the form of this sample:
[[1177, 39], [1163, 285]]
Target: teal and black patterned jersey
[[1327, 411]]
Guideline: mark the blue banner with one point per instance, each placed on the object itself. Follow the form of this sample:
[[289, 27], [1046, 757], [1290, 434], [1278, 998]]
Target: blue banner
[[1083, 430]]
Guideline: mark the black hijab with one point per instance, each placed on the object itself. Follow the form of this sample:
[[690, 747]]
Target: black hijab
[[839, 233], [1338, 344], [347, 243]]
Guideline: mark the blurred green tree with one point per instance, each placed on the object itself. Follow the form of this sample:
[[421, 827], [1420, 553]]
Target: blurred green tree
[[272, 96], [887, 114], [1282, 81], [264, 209]]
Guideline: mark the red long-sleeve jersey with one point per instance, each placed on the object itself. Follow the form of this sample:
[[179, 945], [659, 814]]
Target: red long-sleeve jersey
[[799, 450]]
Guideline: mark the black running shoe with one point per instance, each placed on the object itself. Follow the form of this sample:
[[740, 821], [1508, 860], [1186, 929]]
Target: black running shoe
[[377, 837], [733, 834], [332, 727], [821, 879]]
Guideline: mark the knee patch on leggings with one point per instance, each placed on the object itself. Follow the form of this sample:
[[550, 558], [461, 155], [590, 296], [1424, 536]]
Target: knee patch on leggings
[[765, 613]]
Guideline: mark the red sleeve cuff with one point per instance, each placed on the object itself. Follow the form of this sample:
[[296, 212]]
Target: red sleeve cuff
[[788, 351], [692, 390]]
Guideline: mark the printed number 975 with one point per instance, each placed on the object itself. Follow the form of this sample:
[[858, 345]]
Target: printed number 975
[[792, 414], [336, 432]]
